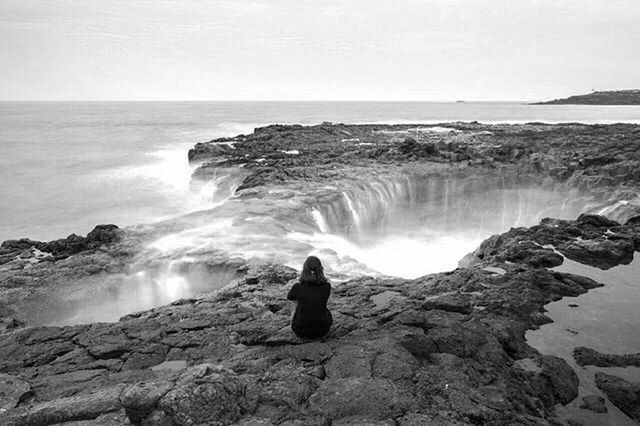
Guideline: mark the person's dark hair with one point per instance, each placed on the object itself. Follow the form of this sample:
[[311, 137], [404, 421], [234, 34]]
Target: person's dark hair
[[312, 271]]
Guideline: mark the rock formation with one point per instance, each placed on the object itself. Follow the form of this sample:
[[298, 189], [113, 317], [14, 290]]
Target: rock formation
[[445, 348]]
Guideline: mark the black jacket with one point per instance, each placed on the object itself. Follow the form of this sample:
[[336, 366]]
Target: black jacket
[[312, 318]]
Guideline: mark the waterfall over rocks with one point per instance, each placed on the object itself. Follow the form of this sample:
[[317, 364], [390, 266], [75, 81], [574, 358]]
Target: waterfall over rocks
[[411, 224]]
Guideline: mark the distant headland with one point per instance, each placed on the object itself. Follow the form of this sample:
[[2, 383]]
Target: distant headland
[[609, 97]]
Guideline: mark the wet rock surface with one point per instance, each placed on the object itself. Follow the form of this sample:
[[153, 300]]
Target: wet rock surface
[[446, 348]]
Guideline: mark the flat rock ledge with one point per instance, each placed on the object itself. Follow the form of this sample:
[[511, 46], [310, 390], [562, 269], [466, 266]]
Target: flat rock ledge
[[446, 348]]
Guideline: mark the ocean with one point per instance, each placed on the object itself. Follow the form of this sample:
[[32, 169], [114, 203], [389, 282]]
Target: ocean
[[67, 166]]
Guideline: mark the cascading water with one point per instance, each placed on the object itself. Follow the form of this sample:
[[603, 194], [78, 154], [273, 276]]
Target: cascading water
[[404, 224], [411, 225], [216, 188]]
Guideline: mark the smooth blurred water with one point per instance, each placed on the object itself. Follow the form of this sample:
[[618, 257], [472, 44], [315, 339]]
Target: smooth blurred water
[[67, 166], [413, 225]]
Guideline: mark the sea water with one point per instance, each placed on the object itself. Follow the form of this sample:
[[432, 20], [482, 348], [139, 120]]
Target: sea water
[[605, 319], [67, 166]]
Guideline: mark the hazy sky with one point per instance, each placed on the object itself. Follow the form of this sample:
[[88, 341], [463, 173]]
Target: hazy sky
[[316, 50]]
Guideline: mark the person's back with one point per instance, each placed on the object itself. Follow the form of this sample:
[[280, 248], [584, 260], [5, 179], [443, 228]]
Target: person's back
[[312, 318]]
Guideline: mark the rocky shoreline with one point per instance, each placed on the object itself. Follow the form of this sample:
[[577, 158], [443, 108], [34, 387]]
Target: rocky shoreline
[[602, 159], [604, 97], [446, 348]]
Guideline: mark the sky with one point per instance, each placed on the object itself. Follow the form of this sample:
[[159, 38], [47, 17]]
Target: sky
[[422, 50]]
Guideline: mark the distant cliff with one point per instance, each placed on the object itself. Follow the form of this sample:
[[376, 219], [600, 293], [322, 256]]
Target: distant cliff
[[611, 97]]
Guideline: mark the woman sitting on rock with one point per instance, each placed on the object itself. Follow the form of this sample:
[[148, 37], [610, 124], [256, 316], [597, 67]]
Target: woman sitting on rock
[[312, 318]]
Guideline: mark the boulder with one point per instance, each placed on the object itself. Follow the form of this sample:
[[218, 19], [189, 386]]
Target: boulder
[[561, 377]]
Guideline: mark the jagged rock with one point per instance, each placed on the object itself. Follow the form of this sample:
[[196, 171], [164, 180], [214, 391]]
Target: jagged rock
[[579, 241], [532, 254], [601, 253], [269, 273], [410, 147], [623, 394], [446, 347], [586, 356], [62, 248], [103, 234]]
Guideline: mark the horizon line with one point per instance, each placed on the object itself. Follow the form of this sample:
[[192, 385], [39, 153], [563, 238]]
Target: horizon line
[[279, 100]]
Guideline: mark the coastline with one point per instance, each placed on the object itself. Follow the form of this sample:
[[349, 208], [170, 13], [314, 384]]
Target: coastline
[[446, 347]]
